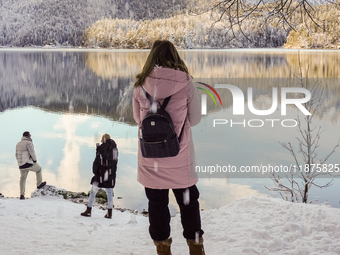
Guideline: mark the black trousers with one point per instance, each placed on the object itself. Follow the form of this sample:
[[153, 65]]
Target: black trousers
[[159, 214]]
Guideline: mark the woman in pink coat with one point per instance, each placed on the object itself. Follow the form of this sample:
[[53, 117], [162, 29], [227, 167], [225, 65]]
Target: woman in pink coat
[[165, 74]]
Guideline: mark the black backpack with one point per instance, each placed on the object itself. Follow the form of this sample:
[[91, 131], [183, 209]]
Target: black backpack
[[158, 138]]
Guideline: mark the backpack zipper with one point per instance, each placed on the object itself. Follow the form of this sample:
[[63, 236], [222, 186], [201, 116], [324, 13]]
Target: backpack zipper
[[164, 141]]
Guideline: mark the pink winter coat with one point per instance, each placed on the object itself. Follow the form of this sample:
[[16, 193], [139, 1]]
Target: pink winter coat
[[172, 172]]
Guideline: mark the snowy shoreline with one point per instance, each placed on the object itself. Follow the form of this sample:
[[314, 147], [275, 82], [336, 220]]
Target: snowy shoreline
[[252, 225], [79, 198], [75, 197]]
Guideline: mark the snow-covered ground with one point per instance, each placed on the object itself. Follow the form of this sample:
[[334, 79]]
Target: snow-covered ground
[[253, 225]]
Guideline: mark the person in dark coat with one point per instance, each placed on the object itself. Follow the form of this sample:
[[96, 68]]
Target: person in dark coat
[[104, 170]]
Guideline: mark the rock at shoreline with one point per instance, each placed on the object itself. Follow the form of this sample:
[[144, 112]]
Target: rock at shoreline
[[78, 197], [50, 190]]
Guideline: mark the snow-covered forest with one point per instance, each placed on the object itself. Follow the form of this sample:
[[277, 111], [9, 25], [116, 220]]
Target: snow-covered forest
[[62, 22], [324, 34], [136, 24], [185, 31], [209, 30]]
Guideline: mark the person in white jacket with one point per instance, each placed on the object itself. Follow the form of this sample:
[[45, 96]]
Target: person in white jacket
[[27, 161]]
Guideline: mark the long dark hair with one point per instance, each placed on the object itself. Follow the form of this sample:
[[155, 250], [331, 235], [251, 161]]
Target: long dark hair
[[164, 54]]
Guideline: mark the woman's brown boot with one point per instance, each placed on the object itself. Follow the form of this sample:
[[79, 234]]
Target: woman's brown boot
[[109, 214], [196, 248], [87, 213], [163, 247]]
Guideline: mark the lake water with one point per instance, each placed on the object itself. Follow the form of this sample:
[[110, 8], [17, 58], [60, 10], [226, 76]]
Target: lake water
[[68, 98]]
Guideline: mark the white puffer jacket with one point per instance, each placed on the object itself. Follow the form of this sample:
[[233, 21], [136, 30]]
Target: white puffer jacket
[[25, 151]]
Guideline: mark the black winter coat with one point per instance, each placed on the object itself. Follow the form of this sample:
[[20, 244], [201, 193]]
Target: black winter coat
[[105, 165]]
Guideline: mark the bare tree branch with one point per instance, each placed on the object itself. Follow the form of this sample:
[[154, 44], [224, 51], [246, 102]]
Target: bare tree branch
[[308, 143]]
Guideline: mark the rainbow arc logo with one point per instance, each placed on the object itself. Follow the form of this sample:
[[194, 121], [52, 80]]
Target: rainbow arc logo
[[204, 97]]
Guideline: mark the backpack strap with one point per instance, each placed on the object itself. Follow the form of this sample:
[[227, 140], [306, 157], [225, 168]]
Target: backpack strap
[[165, 102], [180, 134], [147, 95]]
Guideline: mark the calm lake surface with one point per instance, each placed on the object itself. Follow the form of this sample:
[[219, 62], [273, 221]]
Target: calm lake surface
[[68, 99]]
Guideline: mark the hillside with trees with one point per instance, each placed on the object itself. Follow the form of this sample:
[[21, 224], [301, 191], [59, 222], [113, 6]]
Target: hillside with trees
[[190, 24], [185, 31], [63, 22]]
